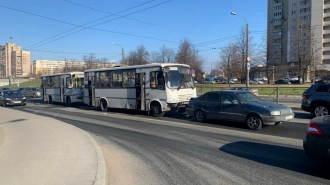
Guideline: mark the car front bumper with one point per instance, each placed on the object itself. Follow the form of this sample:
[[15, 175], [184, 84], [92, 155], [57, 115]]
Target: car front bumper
[[15, 102], [271, 120]]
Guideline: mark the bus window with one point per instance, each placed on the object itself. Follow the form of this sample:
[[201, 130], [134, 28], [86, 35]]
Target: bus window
[[157, 80], [68, 82], [129, 78], [117, 79]]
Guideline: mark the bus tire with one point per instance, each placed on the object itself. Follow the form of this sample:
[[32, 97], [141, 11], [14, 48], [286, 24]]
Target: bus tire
[[156, 110], [50, 100], [68, 101], [103, 105]]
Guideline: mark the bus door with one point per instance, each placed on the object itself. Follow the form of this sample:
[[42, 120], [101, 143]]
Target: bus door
[[140, 91], [62, 90], [44, 85], [91, 90]]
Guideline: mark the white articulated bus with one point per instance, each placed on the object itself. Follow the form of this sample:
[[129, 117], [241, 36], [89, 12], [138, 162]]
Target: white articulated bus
[[151, 87], [63, 88]]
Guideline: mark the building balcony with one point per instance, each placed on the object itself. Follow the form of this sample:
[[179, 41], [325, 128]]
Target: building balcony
[[326, 40], [326, 14], [325, 57], [326, 6], [277, 4], [326, 48], [326, 31]]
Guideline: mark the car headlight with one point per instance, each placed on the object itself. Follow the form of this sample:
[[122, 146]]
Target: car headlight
[[275, 113], [7, 99]]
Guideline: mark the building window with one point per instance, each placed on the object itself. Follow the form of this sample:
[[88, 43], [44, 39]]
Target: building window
[[293, 12], [305, 10], [293, 4], [293, 19], [305, 2]]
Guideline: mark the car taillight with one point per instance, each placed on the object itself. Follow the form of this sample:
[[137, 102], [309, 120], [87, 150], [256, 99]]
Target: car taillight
[[313, 129], [306, 96]]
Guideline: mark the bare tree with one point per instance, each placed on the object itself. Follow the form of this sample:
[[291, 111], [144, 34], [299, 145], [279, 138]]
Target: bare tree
[[104, 61], [90, 60], [155, 57], [138, 57], [304, 48], [229, 60], [187, 55], [271, 55], [241, 48], [169, 55]]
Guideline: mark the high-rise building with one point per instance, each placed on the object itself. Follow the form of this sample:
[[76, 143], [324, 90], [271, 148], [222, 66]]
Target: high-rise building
[[302, 25], [13, 61], [26, 63]]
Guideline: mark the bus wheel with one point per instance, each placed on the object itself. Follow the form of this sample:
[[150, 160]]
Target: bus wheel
[[104, 106], [50, 100], [68, 101], [156, 110]]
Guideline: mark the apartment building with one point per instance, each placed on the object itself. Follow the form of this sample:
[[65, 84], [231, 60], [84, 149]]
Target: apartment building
[[26, 63], [42, 67], [13, 61], [308, 19]]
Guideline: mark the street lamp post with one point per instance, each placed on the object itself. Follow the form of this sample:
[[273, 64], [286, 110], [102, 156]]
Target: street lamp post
[[247, 50], [122, 51]]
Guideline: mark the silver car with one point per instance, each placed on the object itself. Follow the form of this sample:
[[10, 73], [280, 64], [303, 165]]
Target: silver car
[[31, 92], [238, 106]]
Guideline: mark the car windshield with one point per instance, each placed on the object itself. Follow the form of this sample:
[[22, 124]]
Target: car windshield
[[178, 77], [248, 97], [12, 93]]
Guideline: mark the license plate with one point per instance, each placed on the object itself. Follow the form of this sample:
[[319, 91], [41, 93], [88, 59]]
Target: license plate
[[288, 117], [17, 102]]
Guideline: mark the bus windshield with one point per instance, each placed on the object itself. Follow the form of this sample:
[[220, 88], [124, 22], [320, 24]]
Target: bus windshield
[[178, 77]]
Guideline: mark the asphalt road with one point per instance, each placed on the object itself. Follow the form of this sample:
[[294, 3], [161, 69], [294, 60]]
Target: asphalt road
[[141, 149]]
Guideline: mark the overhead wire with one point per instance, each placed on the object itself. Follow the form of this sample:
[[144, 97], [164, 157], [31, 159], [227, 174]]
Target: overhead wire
[[89, 23], [128, 18]]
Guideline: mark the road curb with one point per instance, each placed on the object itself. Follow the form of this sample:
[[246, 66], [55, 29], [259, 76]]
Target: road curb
[[100, 176]]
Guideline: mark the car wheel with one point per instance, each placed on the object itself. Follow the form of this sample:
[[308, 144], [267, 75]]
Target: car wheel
[[104, 106], [200, 116], [4, 104], [253, 122], [321, 110], [156, 110]]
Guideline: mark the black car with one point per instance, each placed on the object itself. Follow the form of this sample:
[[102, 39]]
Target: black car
[[317, 141], [238, 106], [12, 97], [3, 89]]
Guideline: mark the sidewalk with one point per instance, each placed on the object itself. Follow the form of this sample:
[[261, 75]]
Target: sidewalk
[[40, 150]]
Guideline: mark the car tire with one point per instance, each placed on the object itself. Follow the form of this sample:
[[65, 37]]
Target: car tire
[[253, 122], [320, 110], [156, 110], [104, 106], [200, 115], [4, 104]]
